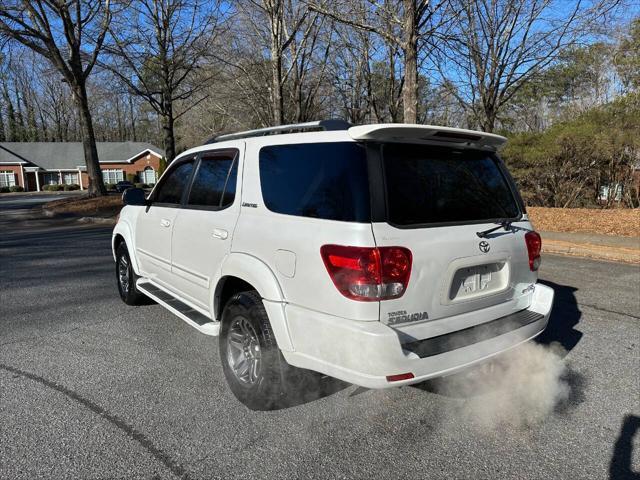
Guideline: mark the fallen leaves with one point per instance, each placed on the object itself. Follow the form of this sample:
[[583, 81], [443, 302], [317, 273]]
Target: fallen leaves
[[621, 222], [110, 204]]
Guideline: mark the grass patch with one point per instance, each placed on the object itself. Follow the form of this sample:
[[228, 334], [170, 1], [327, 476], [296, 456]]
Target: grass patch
[[621, 222]]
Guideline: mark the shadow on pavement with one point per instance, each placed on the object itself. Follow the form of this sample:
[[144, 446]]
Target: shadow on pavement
[[620, 467], [565, 315], [306, 386]]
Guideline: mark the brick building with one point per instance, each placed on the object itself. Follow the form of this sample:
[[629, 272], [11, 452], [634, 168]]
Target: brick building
[[32, 165]]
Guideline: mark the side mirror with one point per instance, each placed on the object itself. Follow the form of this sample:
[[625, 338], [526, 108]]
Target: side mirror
[[134, 196]]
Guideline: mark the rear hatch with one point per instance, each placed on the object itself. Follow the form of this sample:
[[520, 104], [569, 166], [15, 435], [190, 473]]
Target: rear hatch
[[435, 200]]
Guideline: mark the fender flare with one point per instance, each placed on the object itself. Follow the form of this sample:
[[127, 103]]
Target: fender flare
[[257, 273], [123, 229]]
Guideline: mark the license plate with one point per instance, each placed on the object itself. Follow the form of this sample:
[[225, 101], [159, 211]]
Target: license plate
[[477, 281]]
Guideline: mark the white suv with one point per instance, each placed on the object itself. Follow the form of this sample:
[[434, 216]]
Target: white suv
[[382, 255]]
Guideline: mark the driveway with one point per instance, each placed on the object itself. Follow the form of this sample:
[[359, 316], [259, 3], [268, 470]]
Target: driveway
[[91, 388], [14, 205]]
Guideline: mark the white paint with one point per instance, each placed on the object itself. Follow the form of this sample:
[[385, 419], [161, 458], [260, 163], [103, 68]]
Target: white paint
[[406, 132]]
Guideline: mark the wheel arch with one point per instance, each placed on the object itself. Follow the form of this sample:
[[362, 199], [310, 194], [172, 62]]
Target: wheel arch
[[242, 272], [122, 233]]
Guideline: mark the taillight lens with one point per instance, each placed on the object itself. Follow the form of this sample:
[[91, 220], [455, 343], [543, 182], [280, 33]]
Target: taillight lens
[[368, 274], [534, 247]]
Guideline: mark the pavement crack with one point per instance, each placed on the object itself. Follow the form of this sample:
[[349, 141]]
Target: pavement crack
[[130, 431], [601, 309]]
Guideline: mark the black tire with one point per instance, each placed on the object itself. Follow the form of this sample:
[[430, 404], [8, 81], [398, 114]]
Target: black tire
[[127, 278], [269, 387]]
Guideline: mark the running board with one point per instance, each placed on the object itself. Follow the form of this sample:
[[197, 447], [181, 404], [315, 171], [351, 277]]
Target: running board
[[193, 317]]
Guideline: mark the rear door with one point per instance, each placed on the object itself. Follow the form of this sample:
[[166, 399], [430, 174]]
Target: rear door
[[204, 227], [154, 225], [435, 201]]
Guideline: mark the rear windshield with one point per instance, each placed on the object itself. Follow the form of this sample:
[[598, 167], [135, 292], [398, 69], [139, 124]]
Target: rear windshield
[[319, 180], [427, 185]]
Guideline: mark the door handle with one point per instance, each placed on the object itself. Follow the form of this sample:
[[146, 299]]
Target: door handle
[[165, 223], [220, 233]]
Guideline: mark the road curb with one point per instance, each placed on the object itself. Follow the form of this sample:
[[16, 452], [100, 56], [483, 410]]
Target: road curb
[[587, 250]]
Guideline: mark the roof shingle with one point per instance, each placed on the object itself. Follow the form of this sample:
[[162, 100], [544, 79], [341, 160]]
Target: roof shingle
[[69, 155]]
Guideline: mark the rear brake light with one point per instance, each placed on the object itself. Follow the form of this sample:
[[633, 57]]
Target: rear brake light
[[534, 247], [368, 274]]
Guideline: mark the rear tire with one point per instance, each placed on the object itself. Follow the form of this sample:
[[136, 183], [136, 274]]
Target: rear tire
[[255, 369], [127, 278]]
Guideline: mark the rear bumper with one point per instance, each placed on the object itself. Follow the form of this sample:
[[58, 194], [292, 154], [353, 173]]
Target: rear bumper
[[365, 353]]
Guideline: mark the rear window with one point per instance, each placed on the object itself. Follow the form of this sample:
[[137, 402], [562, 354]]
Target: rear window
[[428, 185], [319, 180]]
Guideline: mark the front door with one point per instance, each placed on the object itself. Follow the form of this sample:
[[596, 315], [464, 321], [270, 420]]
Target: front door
[[155, 224]]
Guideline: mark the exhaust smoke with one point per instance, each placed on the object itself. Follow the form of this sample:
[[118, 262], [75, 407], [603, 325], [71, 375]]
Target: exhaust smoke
[[520, 388]]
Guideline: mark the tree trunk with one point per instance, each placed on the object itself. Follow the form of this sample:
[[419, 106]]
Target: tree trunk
[[132, 120], [489, 123], [96, 186], [2, 137], [277, 104], [11, 116], [410, 51], [167, 129]]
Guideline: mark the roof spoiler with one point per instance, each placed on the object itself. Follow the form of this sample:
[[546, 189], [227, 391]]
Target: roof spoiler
[[412, 133], [320, 125]]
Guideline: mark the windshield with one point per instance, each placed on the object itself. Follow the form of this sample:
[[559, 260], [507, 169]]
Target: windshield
[[432, 185]]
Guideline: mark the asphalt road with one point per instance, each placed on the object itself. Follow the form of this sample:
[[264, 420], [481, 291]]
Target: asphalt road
[[91, 388]]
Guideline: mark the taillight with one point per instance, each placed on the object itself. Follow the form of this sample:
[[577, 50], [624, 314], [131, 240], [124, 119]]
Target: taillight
[[534, 246], [368, 274]]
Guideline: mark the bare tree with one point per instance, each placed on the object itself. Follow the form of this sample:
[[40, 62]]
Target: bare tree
[[499, 45], [285, 29], [158, 47], [407, 24], [70, 34]]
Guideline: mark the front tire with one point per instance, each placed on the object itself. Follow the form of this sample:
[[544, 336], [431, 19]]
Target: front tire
[[127, 278], [251, 360]]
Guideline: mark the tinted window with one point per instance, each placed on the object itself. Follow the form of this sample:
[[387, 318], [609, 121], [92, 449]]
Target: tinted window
[[436, 185], [321, 180], [173, 186], [215, 182]]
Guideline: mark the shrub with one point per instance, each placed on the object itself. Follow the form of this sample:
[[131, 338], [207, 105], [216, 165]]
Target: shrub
[[16, 188], [110, 186], [139, 185], [4, 190], [69, 188]]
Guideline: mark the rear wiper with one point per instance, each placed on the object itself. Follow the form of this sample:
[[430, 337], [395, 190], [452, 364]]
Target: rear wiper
[[506, 224]]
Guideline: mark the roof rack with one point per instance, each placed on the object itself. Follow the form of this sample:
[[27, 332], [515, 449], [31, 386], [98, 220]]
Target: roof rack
[[320, 125]]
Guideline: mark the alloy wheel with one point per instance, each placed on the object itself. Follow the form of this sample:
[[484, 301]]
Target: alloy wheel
[[243, 351]]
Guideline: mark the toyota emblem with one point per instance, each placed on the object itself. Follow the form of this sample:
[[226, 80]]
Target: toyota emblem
[[484, 246]]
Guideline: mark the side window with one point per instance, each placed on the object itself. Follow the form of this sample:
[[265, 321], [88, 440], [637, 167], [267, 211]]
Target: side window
[[319, 180], [174, 184], [215, 182]]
